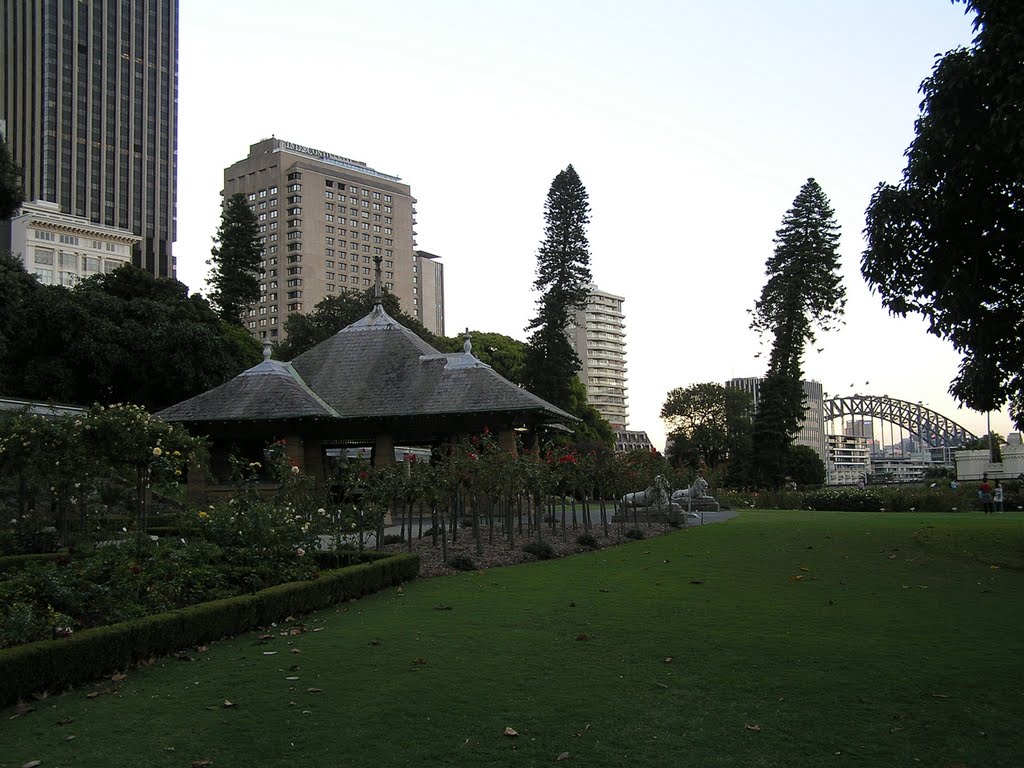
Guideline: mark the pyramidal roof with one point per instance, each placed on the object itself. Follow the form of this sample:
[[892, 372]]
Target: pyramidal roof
[[372, 369]]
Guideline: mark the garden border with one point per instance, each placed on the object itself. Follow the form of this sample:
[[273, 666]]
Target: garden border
[[92, 653]]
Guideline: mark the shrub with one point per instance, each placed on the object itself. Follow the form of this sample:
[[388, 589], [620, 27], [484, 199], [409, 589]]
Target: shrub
[[539, 549], [587, 540], [634, 533], [392, 538], [462, 563]]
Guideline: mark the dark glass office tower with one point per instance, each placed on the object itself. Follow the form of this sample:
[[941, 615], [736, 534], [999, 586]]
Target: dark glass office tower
[[89, 106]]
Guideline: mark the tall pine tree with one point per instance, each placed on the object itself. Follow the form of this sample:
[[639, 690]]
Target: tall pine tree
[[235, 277], [804, 290], [563, 274]]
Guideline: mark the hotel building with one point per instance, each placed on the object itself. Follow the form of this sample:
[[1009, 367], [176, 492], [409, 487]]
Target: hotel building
[[323, 218], [599, 338]]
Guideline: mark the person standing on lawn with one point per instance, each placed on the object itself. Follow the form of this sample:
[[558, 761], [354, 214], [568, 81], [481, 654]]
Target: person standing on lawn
[[997, 497], [985, 494]]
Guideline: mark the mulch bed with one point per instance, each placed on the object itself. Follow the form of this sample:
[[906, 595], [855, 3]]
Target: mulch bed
[[499, 553]]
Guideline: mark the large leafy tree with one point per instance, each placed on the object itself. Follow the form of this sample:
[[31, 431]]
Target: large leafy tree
[[237, 252], [125, 336], [707, 423], [804, 291], [11, 194], [948, 241], [563, 277]]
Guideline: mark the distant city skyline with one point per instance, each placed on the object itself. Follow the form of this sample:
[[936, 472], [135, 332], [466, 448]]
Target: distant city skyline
[[691, 125]]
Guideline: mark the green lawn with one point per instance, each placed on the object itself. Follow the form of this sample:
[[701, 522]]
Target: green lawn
[[795, 639]]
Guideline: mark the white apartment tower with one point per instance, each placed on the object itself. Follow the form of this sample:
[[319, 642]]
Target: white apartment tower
[[599, 338], [812, 427]]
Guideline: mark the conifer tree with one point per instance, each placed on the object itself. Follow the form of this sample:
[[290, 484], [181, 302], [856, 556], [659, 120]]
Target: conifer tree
[[563, 276], [236, 260], [804, 290]]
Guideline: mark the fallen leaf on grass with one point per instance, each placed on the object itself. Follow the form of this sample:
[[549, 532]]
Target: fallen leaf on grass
[[292, 677], [668, 659], [228, 704], [509, 731], [202, 763], [895, 729], [295, 650], [799, 577], [940, 695], [696, 581], [32, 764], [419, 660], [92, 694], [563, 756], [69, 737], [753, 727], [65, 720], [314, 690], [442, 607], [23, 709], [660, 684], [804, 568], [584, 636], [269, 653]]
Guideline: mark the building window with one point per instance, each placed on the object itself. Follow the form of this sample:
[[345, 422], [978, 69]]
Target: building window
[[42, 234], [294, 176], [294, 187], [69, 239]]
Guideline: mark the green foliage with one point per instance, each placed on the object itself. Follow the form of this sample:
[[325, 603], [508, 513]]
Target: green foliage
[[563, 277], [804, 466], [707, 423], [948, 241], [587, 540], [11, 194], [804, 290], [335, 312], [92, 653], [541, 550], [236, 269], [125, 336], [593, 430], [635, 534]]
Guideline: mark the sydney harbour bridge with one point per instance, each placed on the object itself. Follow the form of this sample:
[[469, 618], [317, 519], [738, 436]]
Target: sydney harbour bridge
[[929, 428]]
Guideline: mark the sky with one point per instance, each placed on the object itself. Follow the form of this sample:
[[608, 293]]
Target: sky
[[692, 125]]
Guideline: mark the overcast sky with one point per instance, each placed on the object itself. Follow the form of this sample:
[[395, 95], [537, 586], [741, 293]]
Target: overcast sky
[[692, 125]]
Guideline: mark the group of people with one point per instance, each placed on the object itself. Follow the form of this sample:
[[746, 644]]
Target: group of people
[[991, 498]]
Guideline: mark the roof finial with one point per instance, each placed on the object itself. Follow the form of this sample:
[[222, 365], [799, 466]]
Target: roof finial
[[377, 298], [467, 344], [266, 349]]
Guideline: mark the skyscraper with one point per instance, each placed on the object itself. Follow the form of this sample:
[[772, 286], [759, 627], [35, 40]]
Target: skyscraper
[[812, 426], [88, 95], [323, 218], [599, 338]]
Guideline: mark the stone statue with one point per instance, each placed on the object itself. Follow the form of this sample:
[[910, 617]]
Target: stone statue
[[699, 490], [656, 495]]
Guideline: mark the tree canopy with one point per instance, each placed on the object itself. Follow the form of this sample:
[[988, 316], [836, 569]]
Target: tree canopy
[[238, 250], [947, 242], [125, 336], [707, 423], [804, 291], [563, 277], [11, 194]]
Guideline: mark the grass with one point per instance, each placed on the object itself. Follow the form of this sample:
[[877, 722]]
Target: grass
[[795, 639]]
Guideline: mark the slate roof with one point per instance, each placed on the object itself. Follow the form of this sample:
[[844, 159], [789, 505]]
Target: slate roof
[[270, 390], [373, 369]]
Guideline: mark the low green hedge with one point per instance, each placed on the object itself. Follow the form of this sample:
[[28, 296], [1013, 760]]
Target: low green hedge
[[92, 653]]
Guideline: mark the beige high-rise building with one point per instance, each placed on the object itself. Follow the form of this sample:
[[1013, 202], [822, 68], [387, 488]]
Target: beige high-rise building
[[324, 218], [812, 426], [600, 342]]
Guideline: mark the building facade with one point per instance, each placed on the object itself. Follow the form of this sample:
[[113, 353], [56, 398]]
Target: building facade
[[88, 101], [322, 219], [627, 440], [849, 460], [599, 338], [61, 250], [812, 427]]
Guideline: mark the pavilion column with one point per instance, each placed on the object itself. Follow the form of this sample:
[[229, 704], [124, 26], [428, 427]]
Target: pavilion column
[[195, 488], [314, 459], [295, 452], [507, 441], [384, 451]]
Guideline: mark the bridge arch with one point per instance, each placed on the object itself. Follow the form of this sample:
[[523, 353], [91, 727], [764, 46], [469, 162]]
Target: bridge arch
[[932, 428]]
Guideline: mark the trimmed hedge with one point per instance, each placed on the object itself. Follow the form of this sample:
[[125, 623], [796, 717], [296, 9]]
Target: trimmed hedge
[[92, 653]]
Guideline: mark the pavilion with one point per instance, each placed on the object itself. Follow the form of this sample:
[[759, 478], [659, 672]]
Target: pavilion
[[373, 384]]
